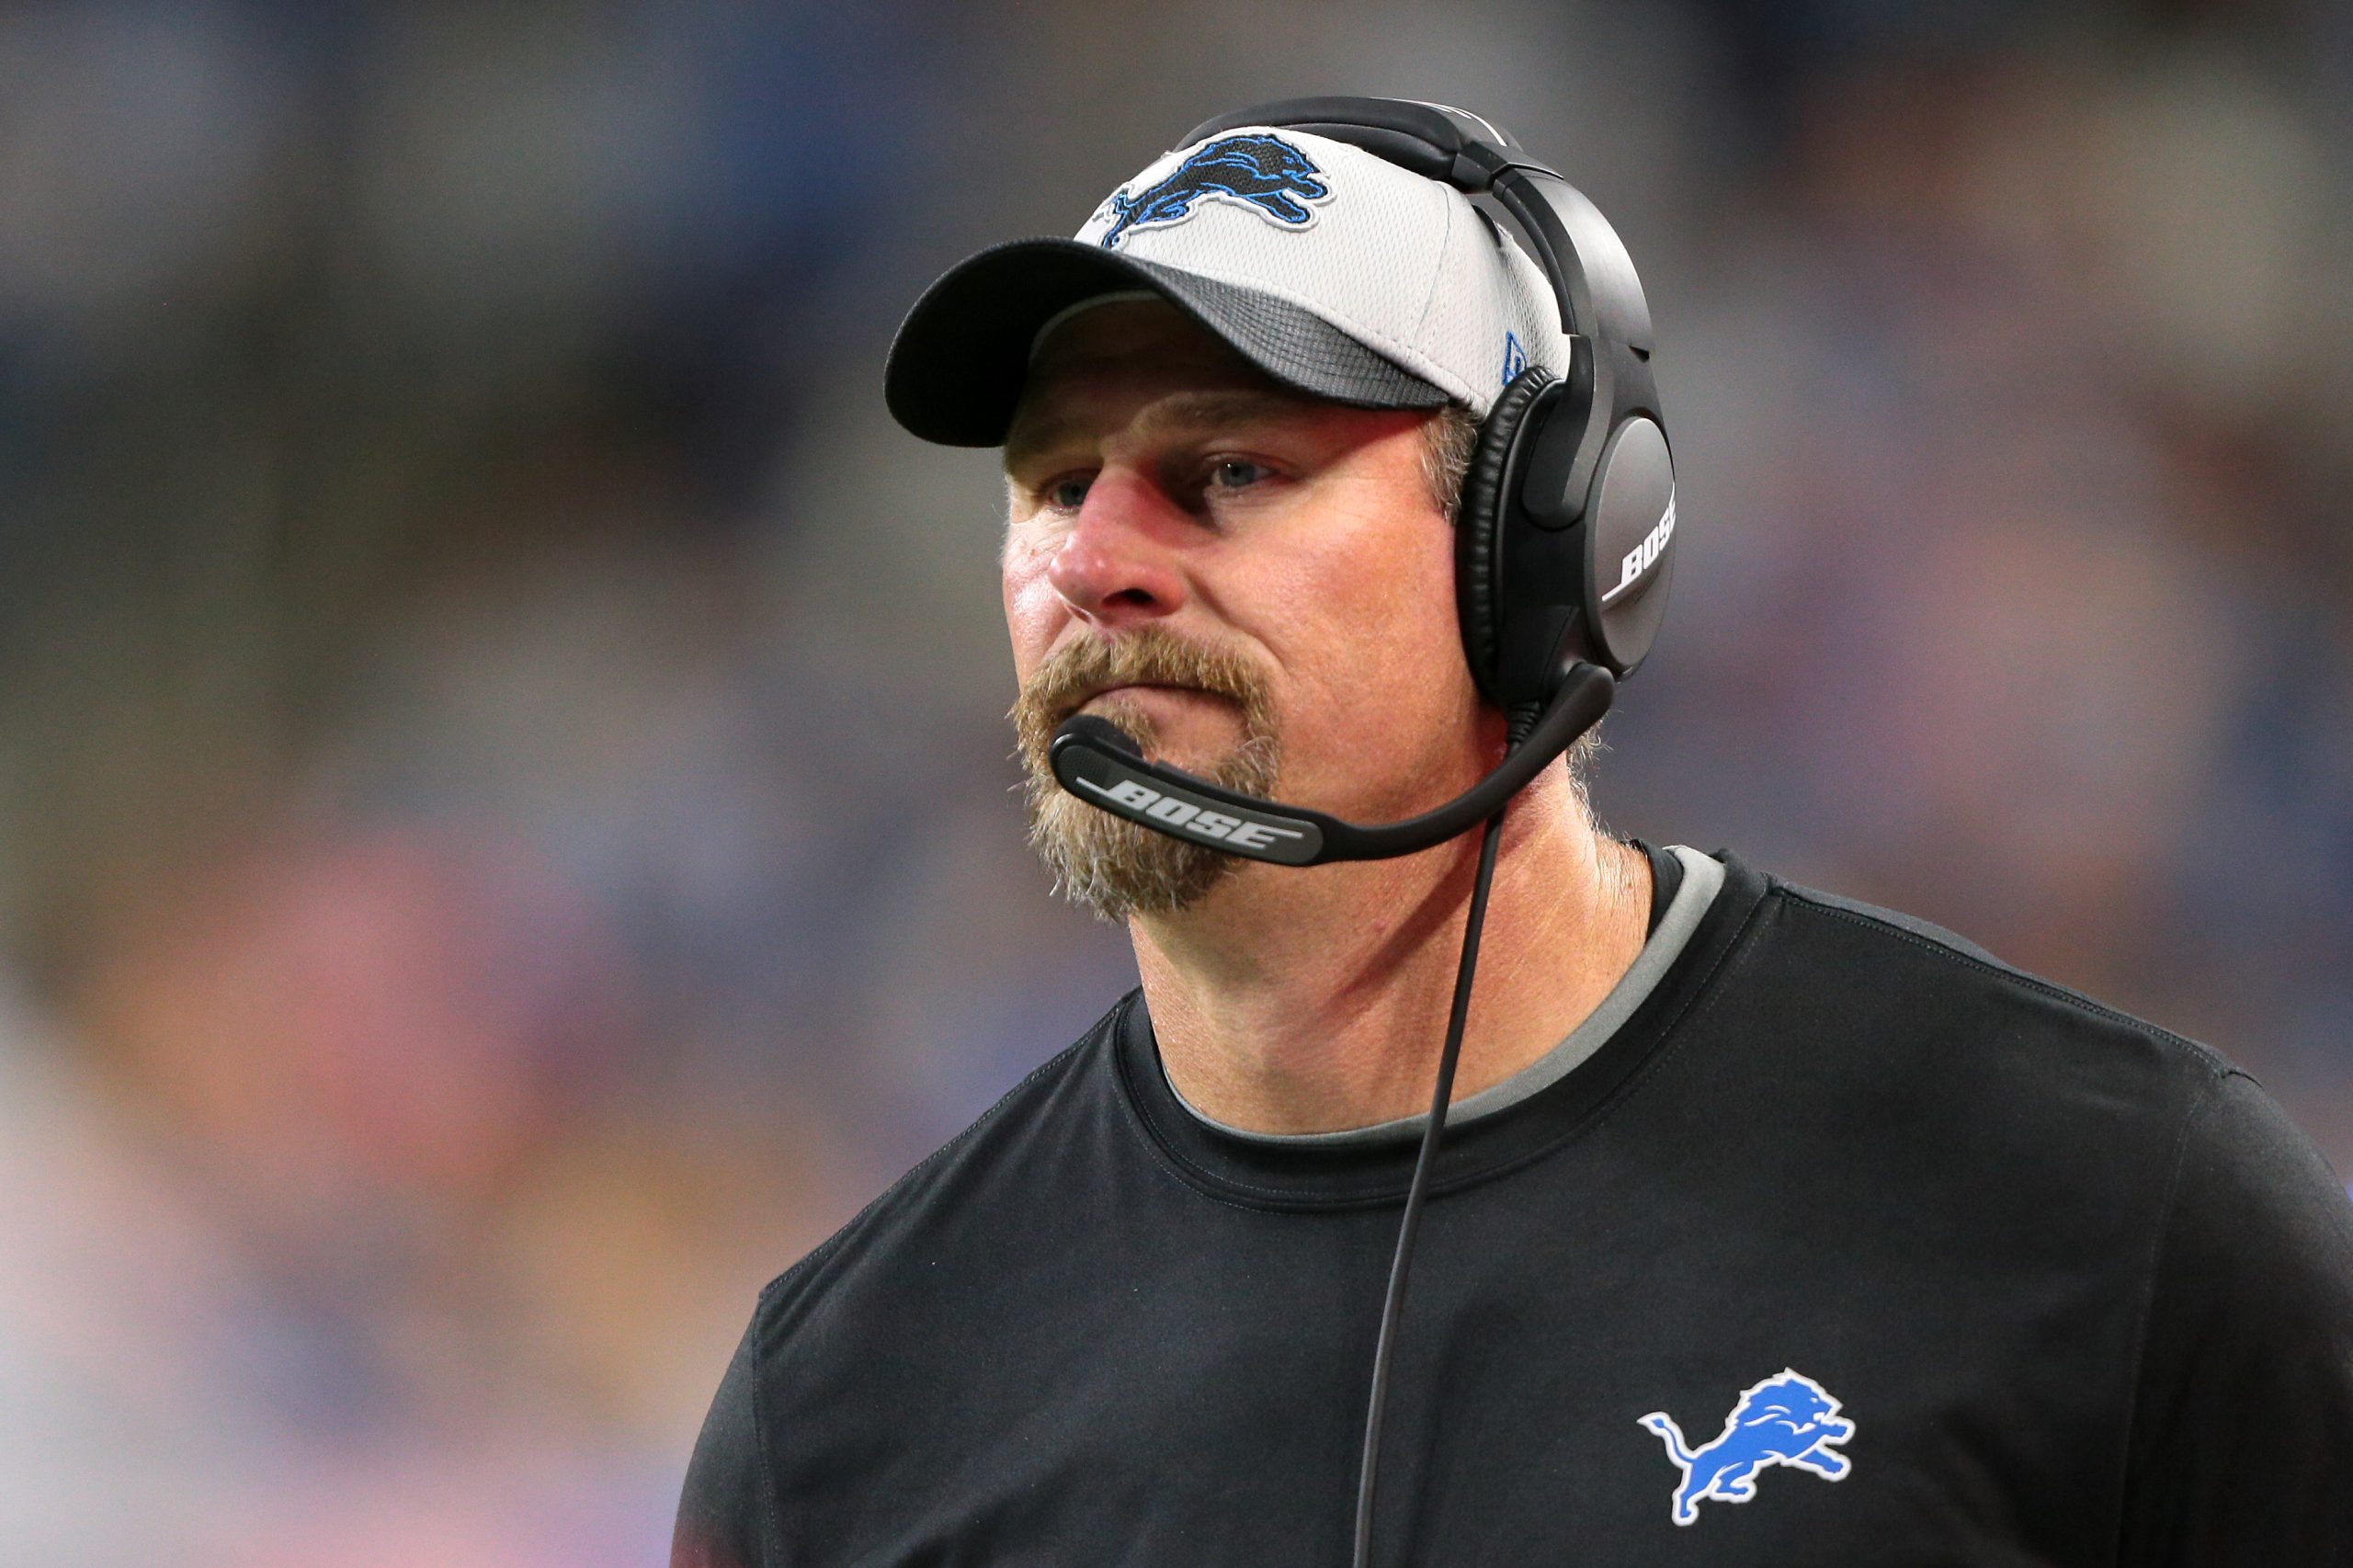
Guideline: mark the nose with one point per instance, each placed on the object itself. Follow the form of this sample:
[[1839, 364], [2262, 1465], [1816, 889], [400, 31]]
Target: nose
[[1118, 566]]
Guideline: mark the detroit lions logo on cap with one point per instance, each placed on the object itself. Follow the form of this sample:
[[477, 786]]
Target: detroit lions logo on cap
[[1787, 1419], [1260, 171]]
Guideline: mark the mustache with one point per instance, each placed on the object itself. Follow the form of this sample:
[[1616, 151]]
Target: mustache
[[1149, 657]]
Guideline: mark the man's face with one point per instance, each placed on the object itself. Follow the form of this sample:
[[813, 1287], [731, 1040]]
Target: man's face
[[1245, 578]]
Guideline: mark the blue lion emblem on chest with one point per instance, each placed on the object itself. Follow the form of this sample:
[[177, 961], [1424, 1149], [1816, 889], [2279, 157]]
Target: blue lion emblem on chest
[[1259, 170], [1787, 1419]]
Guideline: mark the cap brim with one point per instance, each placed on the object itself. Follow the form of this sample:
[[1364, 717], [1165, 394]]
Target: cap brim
[[957, 367]]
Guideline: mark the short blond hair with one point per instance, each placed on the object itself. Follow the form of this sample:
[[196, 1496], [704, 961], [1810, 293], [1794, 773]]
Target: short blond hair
[[1449, 439]]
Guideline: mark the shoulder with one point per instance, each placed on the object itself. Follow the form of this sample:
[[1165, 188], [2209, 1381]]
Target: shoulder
[[2242, 1425], [2077, 1133], [1966, 1007], [1890, 942], [970, 1194], [1901, 1048], [2230, 1168], [886, 1310]]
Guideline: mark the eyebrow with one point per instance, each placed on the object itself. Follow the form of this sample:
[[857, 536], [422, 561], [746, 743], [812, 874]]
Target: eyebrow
[[1178, 411]]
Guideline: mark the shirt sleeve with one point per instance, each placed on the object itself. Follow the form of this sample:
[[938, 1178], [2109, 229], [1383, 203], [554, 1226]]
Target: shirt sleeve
[[2241, 1440], [723, 1515]]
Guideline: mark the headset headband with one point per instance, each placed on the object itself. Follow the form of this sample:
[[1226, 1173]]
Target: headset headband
[[1592, 277]]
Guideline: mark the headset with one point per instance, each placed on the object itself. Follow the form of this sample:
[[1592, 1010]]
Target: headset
[[1564, 535], [1564, 548]]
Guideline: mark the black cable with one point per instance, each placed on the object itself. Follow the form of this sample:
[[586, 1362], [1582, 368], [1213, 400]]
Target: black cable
[[1393, 1306]]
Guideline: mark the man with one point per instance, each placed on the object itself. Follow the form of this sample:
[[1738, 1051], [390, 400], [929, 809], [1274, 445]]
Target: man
[[1767, 1227]]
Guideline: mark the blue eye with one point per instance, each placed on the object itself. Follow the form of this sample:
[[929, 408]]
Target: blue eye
[[1236, 473], [1067, 494]]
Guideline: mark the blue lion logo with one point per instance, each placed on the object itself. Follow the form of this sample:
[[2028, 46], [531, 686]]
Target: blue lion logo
[[1262, 171], [1787, 1419]]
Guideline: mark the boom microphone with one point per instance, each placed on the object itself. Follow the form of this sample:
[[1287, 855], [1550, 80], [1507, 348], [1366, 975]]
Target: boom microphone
[[1098, 762]]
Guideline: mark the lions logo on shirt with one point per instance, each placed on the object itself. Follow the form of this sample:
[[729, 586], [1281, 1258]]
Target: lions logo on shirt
[[1787, 1419], [1264, 173]]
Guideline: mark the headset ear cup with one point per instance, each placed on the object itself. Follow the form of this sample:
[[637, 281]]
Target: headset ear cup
[[1478, 523]]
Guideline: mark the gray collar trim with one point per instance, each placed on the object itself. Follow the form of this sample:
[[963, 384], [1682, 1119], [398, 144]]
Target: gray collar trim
[[1703, 878]]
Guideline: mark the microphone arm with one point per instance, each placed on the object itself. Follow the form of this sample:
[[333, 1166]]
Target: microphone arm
[[1097, 761]]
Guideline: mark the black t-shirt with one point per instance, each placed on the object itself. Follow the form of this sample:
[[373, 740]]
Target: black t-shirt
[[1850, 1246], [1666, 876]]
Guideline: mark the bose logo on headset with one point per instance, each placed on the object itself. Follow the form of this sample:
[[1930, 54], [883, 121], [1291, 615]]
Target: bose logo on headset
[[1214, 825], [1644, 556]]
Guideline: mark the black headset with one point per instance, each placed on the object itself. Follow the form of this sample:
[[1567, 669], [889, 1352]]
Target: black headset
[[1571, 479], [1564, 536], [1564, 545]]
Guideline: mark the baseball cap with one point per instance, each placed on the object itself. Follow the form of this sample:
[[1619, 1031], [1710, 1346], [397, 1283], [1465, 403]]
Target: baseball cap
[[1332, 271]]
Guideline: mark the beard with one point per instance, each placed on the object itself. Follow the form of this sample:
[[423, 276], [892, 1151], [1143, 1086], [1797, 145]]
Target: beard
[[1106, 863]]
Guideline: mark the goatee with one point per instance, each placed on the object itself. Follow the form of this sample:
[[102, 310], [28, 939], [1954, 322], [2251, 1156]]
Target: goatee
[[1106, 863]]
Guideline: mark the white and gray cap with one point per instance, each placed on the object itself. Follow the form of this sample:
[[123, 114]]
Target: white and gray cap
[[1330, 269]]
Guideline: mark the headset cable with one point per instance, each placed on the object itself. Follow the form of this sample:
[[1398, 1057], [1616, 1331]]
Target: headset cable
[[1393, 1307]]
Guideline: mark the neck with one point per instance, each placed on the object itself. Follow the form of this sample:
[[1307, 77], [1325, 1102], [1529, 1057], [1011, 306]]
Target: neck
[[1309, 1001]]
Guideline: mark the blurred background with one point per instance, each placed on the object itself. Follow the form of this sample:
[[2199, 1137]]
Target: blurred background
[[505, 836]]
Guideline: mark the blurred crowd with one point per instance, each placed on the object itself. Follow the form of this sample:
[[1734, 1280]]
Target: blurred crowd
[[505, 828]]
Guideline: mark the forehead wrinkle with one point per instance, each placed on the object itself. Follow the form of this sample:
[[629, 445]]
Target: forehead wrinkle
[[1240, 405], [1177, 411]]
